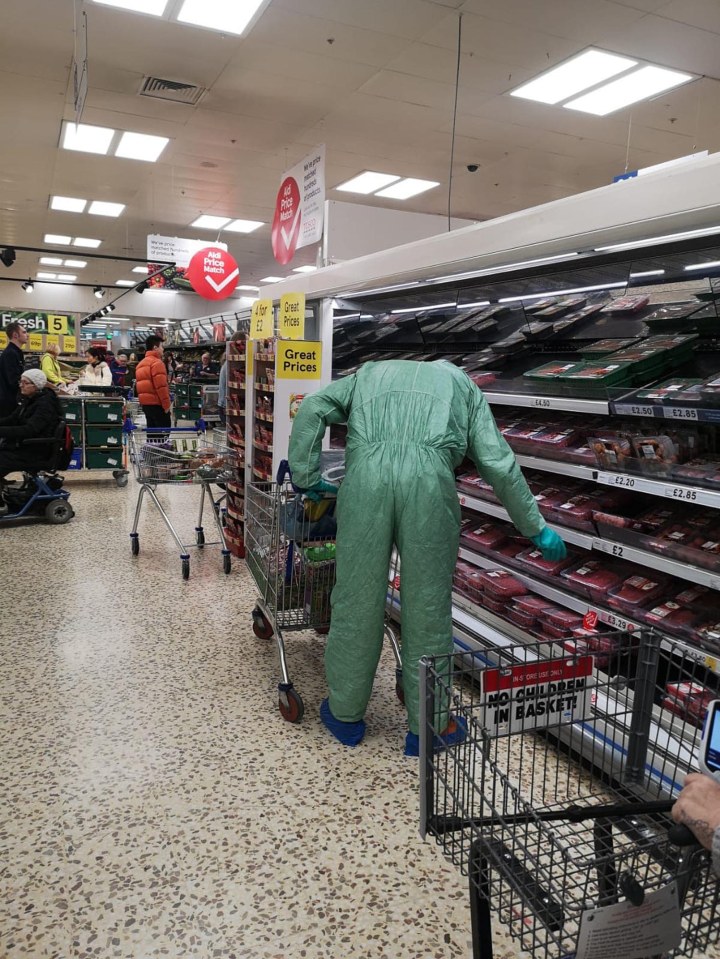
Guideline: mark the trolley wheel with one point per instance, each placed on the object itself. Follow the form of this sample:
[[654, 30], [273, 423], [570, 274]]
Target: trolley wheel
[[200, 538], [135, 545], [322, 630], [121, 479], [227, 563], [58, 512], [261, 627], [292, 708], [186, 569], [399, 688]]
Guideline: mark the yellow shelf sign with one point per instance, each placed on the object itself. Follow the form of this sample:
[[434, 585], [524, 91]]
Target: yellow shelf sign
[[261, 320], [292, 316], [52, 340], [35, 341], [69, 345], [299, 360], [3, 341], [57, 323]]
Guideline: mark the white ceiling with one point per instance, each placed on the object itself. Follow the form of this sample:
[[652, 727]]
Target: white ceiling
[[372, 79]]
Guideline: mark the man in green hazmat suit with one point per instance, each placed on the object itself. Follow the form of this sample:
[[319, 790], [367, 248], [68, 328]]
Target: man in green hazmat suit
[[409, 425]]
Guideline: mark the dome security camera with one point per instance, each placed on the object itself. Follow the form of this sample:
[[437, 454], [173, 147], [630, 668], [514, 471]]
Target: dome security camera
[[472, 167]]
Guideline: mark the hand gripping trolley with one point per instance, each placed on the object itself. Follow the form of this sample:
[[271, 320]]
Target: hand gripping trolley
[[556, 805], [290, 544], [181, 456]]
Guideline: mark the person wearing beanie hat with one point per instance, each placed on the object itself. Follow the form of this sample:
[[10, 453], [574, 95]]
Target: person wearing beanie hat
[[37, 417]]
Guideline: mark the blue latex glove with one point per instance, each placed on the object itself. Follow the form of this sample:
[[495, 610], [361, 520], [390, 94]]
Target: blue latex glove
[[318, 491], [550, 544]]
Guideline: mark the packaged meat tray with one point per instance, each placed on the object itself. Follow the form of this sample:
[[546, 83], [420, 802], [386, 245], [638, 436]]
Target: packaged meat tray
[[552, 371], [520, 617], [533, 559], [698, 471], [605, 347], [671, 618], [671, 315], [656, 454], [668, 390], [555, 632], [592, 578], [563, 619], [637, 592], [498, 606], [501, 585], [687, 692], [555, 437], [627, 304], [707, 633], [603, 373], [539, 305], [532, 605], [487, 536], [483, 379], [612, 450]]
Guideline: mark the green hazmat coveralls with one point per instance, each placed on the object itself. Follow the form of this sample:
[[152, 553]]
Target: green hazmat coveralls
[[409, 425]]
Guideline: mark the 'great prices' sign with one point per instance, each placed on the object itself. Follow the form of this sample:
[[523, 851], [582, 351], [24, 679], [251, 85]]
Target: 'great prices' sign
[[213, 273]]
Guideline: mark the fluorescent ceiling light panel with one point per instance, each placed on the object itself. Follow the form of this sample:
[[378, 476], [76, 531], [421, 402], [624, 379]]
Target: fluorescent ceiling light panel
[[638, 85], [207, 222], [710, 265], [226, 16], [304, 269], [76, 264], [576, 289], [86, 241], [140, 269], [57, 238], [86, 138], [579, 73], [50, 261], [67, 277], [244, 226], [155, 8], [424, 309], [367, 182], [100, 208], [141, 146], [635, 276], [125, 283], [70, 204], [406, 188], [46, 276]]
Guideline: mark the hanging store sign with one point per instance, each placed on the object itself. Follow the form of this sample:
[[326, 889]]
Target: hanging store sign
[[261, 320], [292, 316], [299, 360], [534, 695], [180, 251], [34, 322], [213, 273], [299, 207]]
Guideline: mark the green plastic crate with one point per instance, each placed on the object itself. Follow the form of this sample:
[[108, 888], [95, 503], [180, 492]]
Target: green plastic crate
[[195, 393], [72, 411], [104, 436], [182, 391], [104, 411], [103, 459], [77, 434]]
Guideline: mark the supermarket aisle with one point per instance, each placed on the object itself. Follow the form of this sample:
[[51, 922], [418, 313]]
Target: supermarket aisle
[[158, 804]]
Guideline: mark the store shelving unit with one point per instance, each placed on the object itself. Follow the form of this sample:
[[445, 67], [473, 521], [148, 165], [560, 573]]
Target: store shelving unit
[[236, 438]]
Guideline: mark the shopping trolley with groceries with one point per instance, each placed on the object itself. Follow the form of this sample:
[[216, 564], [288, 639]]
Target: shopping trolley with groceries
[[290, 544]]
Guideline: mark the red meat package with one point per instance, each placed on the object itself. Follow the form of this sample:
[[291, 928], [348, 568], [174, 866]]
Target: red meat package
[[637, 591], [627, 304], [501, 585], [533, 558], [520, 617], [593, 578], [671, 617], [564, 619], [486, 536], [534, 605]]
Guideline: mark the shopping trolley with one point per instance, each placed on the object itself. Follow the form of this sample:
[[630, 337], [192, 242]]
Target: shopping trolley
[[556, 804], [182, 456], [290, 552]]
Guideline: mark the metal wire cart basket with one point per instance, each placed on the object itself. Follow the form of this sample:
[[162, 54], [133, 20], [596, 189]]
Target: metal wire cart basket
[[557, 803], [182, 456], [290, 552]]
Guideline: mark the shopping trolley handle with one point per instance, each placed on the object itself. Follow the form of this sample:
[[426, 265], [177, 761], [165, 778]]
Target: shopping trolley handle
[[681, 835]]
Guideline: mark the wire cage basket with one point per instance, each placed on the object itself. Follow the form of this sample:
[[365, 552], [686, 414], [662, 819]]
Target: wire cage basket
[[166, 458], [556, 804]]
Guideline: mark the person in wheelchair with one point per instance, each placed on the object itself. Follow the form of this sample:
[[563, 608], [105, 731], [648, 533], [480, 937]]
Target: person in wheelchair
[[37, 417]]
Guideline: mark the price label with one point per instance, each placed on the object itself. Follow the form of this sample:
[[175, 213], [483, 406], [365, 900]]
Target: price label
[[620, 480], [617, 622], [542, 402], [630, 409], [614, 549], [261, 320], [462, 500], [681, 493], [680, 413]]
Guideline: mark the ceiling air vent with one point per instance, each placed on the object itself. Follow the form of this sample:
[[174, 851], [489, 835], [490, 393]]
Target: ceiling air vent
[[171, 90]]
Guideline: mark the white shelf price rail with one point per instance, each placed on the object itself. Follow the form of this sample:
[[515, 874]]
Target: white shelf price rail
[[567, 403], [665, 487]]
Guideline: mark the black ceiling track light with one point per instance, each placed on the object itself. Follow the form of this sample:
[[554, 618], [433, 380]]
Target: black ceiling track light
[[28, 285], [7, 257], [99, 292]]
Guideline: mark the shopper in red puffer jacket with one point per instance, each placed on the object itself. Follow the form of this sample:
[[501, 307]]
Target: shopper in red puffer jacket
[[151, 384]]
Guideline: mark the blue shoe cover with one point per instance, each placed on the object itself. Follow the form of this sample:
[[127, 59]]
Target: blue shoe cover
[[349, 734], [455, 733]]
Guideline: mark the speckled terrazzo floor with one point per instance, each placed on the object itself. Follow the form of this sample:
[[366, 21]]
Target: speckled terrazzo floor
[[155, 804]]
